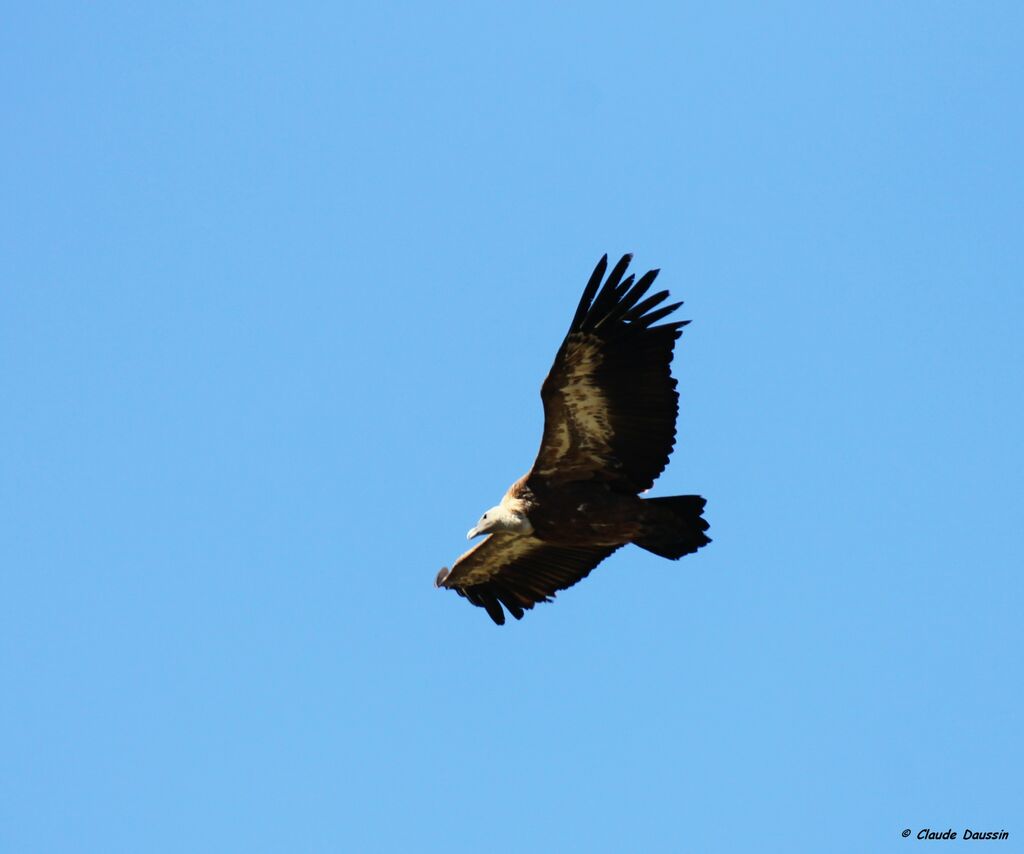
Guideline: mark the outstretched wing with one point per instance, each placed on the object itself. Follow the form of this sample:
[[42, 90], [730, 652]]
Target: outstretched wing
[[518, 572], [610, 401]]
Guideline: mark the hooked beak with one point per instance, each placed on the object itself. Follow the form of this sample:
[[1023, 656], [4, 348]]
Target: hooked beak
[[473, 532]]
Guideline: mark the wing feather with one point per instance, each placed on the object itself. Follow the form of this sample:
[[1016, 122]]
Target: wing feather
[[589, 291], [518, 572], [610, 401], [631, 298]]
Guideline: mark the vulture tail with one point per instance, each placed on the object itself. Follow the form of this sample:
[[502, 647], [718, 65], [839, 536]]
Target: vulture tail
[[673, 527]]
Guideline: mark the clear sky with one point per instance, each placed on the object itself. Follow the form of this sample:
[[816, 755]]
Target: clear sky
[[278, 287]]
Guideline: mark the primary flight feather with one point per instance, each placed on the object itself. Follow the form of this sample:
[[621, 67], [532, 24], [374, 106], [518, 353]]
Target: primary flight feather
[[610, 407]]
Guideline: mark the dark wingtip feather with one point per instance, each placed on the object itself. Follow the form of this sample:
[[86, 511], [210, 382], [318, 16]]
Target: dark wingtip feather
[[494, 610], [588, 292], [442, 574], [609, 295], [617, 306], [629, 297], [615, 276], [655, 316], [626, 284], [508, 599], [636, 314]]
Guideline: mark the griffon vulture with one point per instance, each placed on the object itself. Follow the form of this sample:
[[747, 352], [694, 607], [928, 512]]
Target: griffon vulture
[[610, 407]]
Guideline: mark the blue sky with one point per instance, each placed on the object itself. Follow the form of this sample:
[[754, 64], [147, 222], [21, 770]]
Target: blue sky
[[279, 287]]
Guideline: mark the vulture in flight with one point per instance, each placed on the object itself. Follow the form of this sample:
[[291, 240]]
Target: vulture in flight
[[610, 407]]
